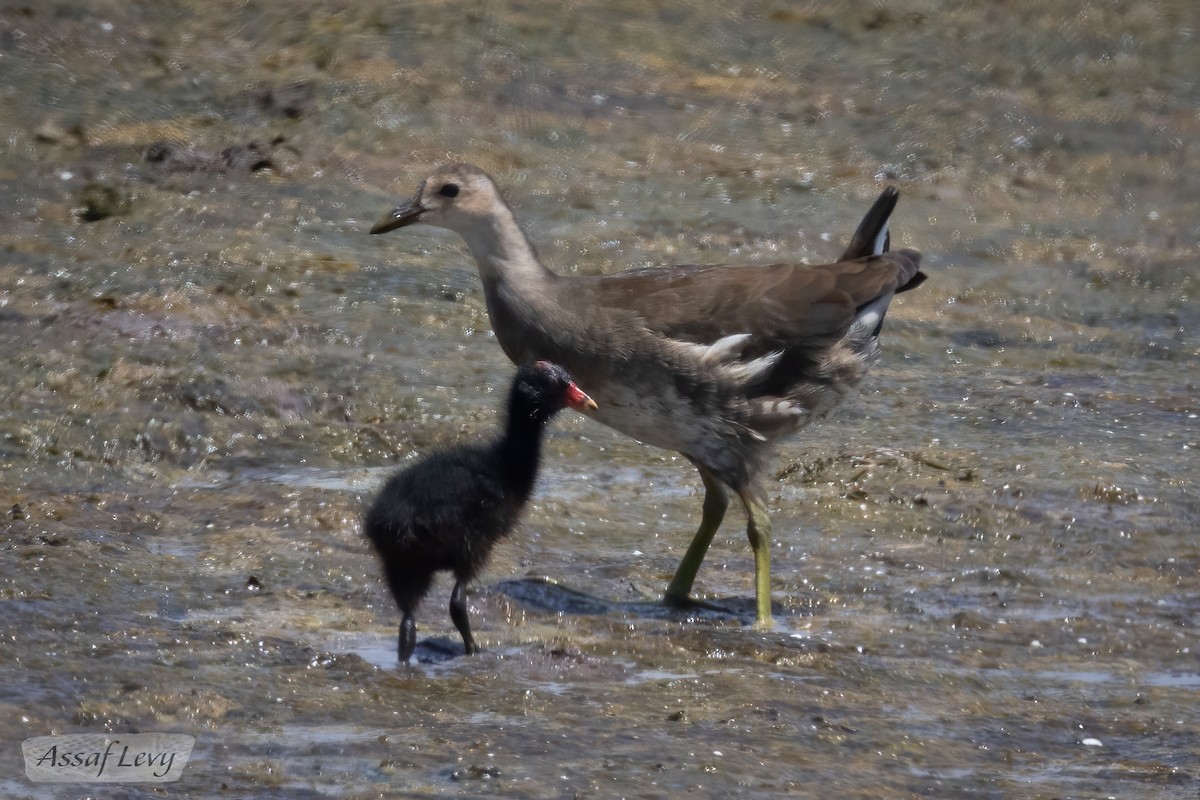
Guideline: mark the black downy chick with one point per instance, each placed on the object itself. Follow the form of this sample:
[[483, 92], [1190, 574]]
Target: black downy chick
[[447, 511]]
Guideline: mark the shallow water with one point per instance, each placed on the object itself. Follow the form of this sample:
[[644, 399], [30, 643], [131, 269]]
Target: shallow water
[[985, 570]]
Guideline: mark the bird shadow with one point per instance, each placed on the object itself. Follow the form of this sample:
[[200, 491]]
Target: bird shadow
[[549, 596], [546, 595], [437, 650]]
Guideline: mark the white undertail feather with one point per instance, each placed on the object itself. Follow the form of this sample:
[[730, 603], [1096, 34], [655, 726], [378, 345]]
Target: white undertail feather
[[880, 245], [866, 323]]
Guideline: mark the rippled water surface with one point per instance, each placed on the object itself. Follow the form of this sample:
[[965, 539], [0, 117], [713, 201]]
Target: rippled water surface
[[985, 566]]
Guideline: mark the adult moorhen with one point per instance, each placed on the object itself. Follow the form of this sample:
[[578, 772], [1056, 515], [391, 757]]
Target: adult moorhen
[[714, 362], [446, 511]]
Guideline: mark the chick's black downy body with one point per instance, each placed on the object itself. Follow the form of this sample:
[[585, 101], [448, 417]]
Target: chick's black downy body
[[447, 511]]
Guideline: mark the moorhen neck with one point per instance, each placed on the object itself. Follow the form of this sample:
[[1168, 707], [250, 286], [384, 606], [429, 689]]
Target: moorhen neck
[[714, 362], [447, 511]]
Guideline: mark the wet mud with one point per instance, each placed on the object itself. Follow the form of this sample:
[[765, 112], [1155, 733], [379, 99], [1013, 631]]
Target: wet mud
[[985, 566]]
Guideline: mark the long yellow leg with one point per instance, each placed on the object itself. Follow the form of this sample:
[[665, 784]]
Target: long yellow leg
[[716, 500], [758, 528]]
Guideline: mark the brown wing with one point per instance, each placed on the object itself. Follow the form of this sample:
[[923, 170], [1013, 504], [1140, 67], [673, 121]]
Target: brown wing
[[780, 304]]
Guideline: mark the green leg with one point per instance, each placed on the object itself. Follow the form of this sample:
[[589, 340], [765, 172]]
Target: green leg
[[758, 528], [716, 500]]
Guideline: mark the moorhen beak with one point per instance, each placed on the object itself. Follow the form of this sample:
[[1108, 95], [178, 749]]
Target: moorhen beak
[[578, 400], [398, 217], [575, 397]]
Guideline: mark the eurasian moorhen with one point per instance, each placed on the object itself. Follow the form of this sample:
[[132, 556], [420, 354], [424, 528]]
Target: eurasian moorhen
[[715, 362]]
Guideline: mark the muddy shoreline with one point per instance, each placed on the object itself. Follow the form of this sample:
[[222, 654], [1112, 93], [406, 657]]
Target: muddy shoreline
[[985, 564]]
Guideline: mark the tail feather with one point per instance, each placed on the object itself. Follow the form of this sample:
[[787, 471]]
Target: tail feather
[[871, 238], [910, 275]]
